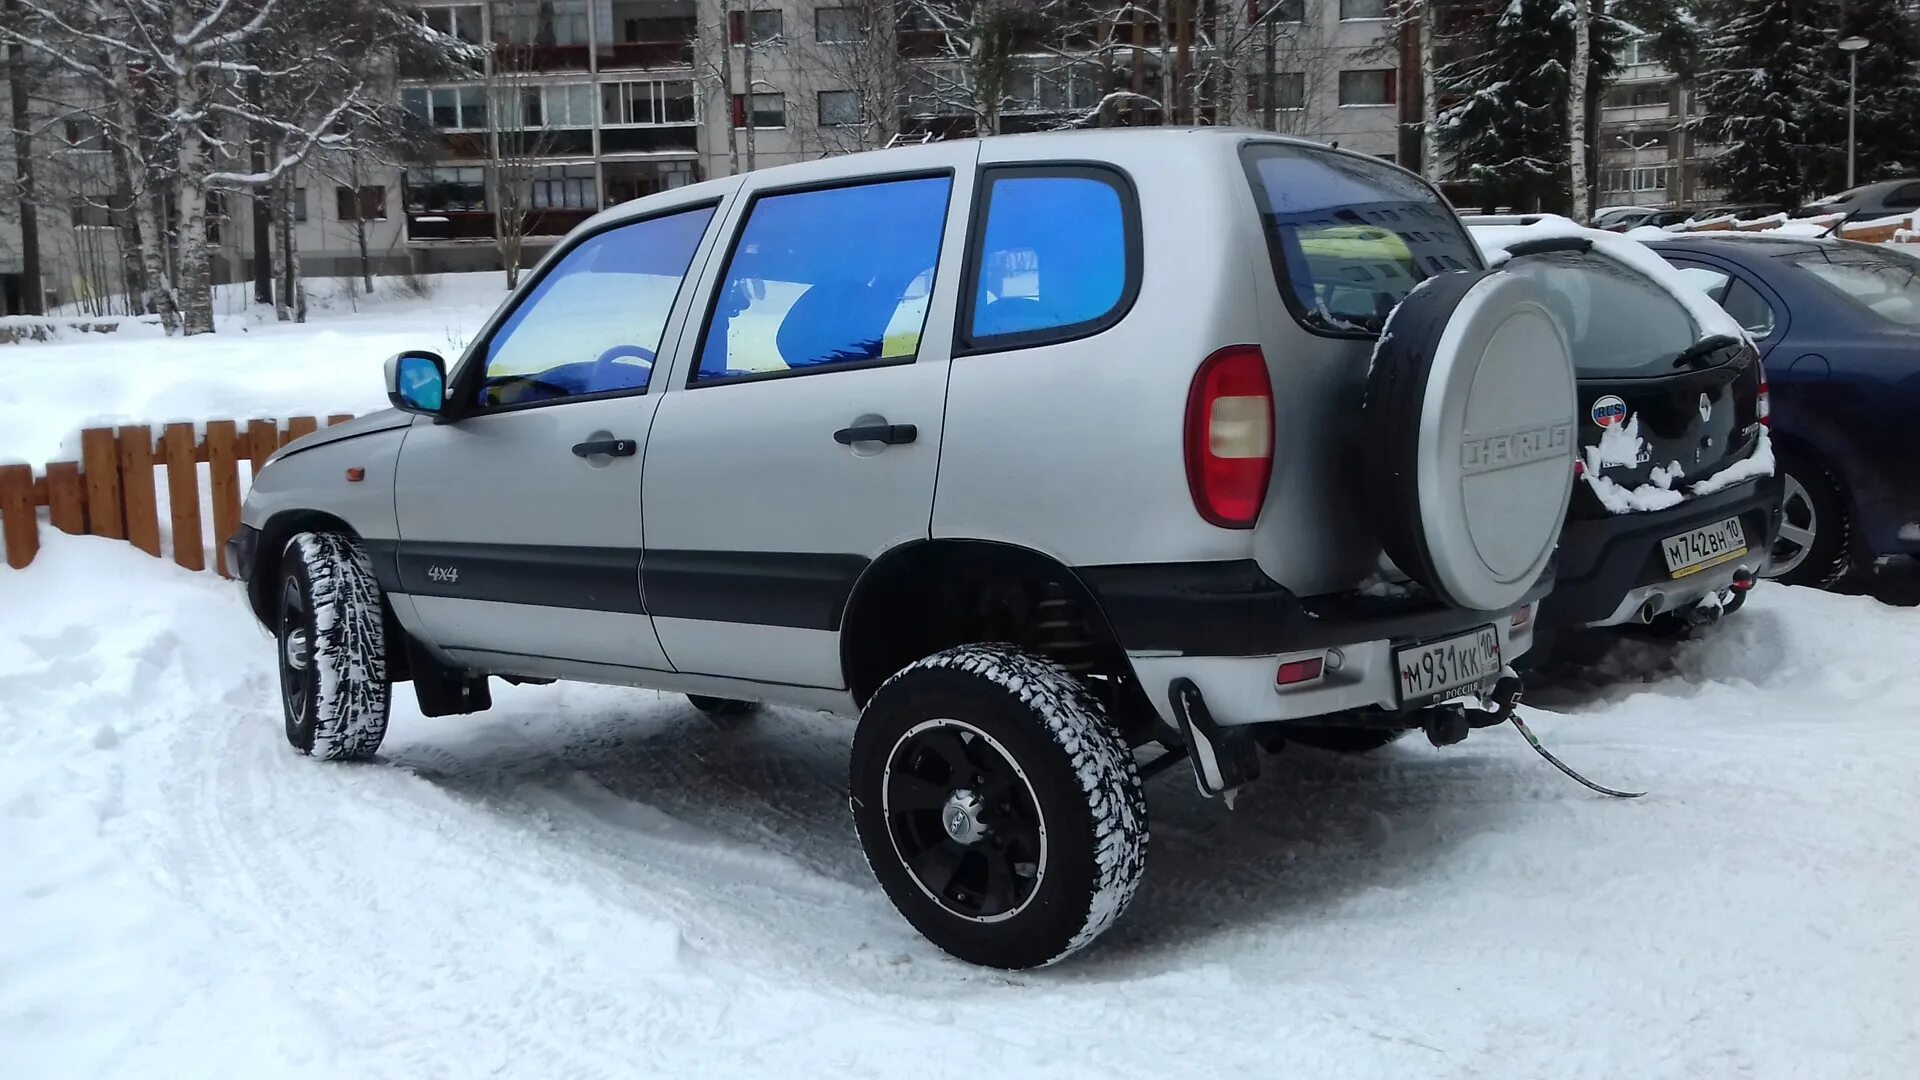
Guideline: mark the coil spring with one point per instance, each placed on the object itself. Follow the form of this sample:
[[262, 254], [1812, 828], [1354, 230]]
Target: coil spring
[[1060, 631]]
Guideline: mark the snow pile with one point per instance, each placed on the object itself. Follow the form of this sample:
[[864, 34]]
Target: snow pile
[[250, 368], [597, 882]]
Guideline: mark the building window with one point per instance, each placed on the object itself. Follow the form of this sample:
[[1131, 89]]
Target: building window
[[1289, 91], [443, 190], [457, 21], [653, 103], [449, 108], [1637, 50], [1367, 87], [1650, 178], [1633, 97], [1290, 11], [370, 206], [836, 26], [766, 27], [300, 205], [542, 22], [90, 212], [1363, 9], [840, 108], [769, 110], [84, 133], [565, 187]]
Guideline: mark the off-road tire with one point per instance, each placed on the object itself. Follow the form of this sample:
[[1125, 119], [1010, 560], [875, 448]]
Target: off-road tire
[[1830, 557], [335, 704], [1345, 740], [1092, 811]]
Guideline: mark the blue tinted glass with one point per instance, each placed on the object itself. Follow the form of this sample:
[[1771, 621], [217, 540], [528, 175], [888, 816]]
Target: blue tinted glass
[[420, 382], [828, 277], [592, 325], [1054, 255]]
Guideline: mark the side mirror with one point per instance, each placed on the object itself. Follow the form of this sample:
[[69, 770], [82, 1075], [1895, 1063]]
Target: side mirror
[[417, 382]]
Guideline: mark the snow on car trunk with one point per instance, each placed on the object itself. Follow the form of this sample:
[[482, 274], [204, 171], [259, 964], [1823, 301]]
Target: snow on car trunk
[[589, 880]]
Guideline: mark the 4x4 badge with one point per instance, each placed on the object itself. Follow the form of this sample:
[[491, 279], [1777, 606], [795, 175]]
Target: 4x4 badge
[[446, 575]]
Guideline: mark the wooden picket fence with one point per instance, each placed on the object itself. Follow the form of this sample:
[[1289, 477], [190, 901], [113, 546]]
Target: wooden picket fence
[[111, 490]]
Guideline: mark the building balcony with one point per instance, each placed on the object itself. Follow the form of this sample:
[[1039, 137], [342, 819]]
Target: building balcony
[[1629, 114], [450, 225], [517, 56], [646, 55]]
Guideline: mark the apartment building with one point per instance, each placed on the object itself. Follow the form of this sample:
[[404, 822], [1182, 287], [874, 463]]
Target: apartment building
[[588, 103], [1649, 153]]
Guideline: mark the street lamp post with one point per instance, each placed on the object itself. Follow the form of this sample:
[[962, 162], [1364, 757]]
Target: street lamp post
[[1852, 46]]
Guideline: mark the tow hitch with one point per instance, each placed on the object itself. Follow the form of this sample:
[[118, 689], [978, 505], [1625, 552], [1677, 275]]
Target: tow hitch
[[1503, 703]]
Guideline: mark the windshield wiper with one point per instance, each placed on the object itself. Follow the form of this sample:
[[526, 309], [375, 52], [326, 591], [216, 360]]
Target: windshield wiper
[[1697, 353]]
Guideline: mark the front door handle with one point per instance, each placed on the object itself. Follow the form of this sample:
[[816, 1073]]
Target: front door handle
[[891, 434], [606, 448]]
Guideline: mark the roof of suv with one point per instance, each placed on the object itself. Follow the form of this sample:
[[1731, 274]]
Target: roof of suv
[[1082, 143]]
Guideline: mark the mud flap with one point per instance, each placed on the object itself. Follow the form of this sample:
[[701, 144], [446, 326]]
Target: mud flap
[[443, 690], [1223, 758]]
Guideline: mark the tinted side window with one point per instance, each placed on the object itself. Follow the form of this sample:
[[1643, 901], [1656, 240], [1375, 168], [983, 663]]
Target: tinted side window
[[1053, 259], [825, 279], [1745, 303], [592, 323], [1620, 322], [1705, 278]]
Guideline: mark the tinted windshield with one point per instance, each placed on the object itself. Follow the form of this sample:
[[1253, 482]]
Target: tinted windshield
[[1883, 283], [1350, 236]]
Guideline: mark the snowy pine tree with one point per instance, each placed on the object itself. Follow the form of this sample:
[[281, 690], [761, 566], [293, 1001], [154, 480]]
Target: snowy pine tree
[[1766, 89], [1506, 128], [1888, 121]]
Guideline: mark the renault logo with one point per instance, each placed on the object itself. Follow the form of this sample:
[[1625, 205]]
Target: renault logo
[[1706, 409]]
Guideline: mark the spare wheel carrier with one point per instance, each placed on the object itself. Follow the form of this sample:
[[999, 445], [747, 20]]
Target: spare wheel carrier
[[1468, 436]]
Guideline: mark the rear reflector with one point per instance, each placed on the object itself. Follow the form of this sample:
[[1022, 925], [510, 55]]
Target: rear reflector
[[1763, 402], [1229, 436], [1294, 672], [1522, 617]]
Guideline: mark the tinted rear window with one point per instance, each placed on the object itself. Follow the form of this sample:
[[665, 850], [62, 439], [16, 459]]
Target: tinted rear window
[[1620, 322], [1350, 236]]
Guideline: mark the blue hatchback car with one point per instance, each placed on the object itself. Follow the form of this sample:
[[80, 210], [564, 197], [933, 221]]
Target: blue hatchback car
[[1838, 326]]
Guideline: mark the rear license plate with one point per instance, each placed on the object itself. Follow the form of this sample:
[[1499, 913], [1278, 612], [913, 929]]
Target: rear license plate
[[1692, 552], [1441, 667]]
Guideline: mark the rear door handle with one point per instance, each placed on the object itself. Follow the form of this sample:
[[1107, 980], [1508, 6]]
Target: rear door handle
[[891, 434], [606, 448]]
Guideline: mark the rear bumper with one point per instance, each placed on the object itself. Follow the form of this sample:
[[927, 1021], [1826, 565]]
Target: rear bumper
[[1611, 567], [1227, 627]]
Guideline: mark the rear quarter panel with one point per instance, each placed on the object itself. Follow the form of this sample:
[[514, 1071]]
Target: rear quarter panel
[[1076, 449]]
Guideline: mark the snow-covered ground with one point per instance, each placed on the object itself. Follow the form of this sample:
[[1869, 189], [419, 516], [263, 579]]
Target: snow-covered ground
[[252, 367], [600, 882]]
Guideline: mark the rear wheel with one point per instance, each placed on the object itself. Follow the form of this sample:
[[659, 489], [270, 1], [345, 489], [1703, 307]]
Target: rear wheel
[[998, 809], [1813, 548], [331, 632]]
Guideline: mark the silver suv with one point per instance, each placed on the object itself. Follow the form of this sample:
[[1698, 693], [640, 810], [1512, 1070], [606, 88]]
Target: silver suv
[[1055, 459]]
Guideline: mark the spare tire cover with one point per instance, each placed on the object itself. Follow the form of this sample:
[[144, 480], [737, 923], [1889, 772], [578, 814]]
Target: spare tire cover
[[1468, 433]]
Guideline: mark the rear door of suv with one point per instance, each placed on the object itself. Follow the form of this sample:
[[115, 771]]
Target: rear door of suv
[[801, 434]]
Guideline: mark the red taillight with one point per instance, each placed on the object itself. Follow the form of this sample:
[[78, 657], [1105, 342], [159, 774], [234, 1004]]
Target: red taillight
[[1762, 403], [1230, 436]]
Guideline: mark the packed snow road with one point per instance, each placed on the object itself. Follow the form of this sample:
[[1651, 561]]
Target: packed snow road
[[595, 882]]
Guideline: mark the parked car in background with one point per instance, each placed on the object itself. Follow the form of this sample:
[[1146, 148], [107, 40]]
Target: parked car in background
[[1636, 217], [1621, 218], [1838, 325], [1676, 504], [1738, 211], [1886, 198]]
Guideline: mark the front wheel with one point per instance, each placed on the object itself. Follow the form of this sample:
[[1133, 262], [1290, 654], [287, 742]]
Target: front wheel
[[998, 808], [331, 633]]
